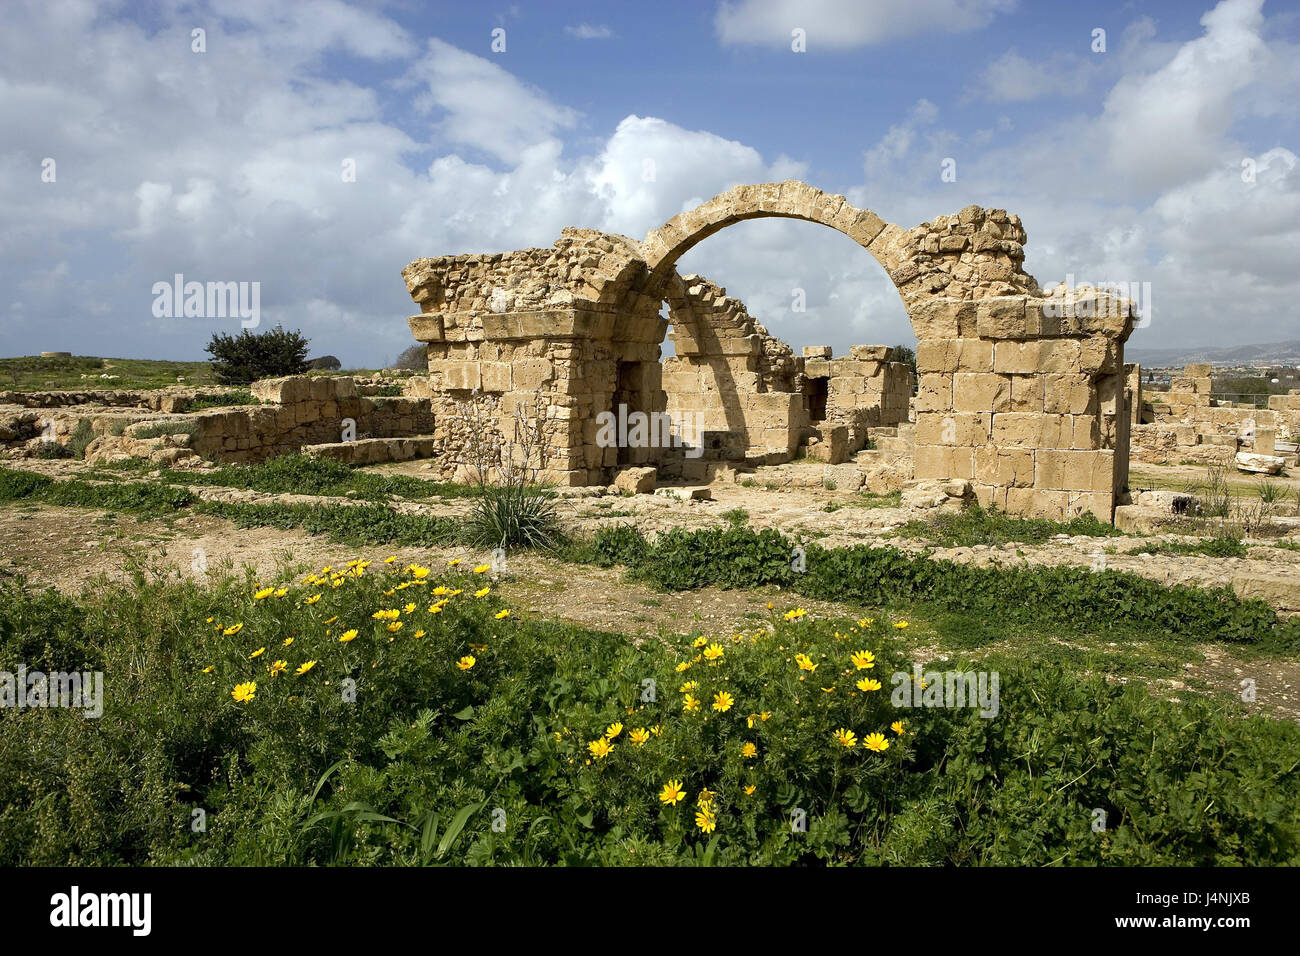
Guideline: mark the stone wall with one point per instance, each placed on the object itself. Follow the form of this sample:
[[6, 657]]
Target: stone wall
[[1184, 424]]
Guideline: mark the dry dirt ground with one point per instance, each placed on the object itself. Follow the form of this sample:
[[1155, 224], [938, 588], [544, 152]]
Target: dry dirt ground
[[66, 547]]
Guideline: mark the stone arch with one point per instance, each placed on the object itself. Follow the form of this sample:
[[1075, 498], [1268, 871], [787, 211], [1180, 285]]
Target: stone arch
[[662, 247]]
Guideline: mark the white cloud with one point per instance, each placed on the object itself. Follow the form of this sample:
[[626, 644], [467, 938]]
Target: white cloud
[[1012, 78], [483, 105], [588, 31], [848, 24]]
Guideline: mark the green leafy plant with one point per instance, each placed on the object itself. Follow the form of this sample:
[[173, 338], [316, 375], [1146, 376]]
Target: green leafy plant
[[244, 358]]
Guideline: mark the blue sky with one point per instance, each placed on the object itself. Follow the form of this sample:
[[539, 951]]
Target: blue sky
[[1125, 165]]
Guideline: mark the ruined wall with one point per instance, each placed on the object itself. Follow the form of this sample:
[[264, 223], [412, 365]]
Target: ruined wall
[[302, 411], [1023, 396], [1184, 424], [865, 389]]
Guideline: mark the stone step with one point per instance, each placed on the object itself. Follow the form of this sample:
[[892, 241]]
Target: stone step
[[897, 446], [883, 432], [374, 451]]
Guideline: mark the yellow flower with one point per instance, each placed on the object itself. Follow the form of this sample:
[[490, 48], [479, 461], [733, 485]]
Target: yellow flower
[[897, 727], [390, 559], [900, 624], [483, 569], [749, 790], [347, 636], [209, 669], [749, 750], [866, 621], [279, 667], [722, 701], [713, 652], [233, 629], [386, 615], [245, 692], [262, 594], [876, 742], [613, 730], [699, 642], [847, 738], [639, 736], [672, 793], [690, 703], [466, 662], [209, 620], [689, 686], [257, 653], [683, 666], [395, 626], [454, 561], [304, 668], [418, 634], [311, 600], [483, 592], [705, 819], [805, 662], [828, 690], [419, 573], [333, 619], [600, 748], [410, 608], [502, 614], [281, 592], [795, 614], [867, 684], [864, 660]]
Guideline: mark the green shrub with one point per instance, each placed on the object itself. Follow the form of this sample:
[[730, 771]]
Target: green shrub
[[242, 359], [52, 449], [515, 516], [82, 436]]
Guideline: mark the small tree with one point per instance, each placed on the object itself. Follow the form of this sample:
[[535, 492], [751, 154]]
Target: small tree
[[414, 357], [240, 359]]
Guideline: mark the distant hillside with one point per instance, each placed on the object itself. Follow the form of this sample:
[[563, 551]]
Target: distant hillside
[[1273, 353]]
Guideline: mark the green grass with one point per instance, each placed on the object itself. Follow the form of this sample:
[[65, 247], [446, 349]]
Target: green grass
[[978, 526], [867, 499], [1222, 546], [33, 373], [386, 752]]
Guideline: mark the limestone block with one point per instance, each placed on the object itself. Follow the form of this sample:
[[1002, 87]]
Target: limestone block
[[1067, 393], [1027, 430], [1004, 467], [981, 392], [953, 428], [495, 376], [636, 481], [457, 375], [1001, 317], [817, 351], [870, 353], [1075, 470]]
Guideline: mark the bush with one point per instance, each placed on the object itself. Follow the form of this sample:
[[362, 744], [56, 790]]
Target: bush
[[515, 516], [241, 359], [82, 436]]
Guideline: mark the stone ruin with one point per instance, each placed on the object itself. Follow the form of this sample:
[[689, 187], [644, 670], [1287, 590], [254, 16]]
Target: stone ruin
[[1186, 425], [1022, 394], [1023, 400]]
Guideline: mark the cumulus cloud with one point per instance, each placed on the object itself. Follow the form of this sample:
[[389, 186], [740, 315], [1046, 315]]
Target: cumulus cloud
[[848, 24]]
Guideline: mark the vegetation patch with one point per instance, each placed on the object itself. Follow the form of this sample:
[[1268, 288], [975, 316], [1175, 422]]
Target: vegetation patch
[[979, 526], [377, 715]]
